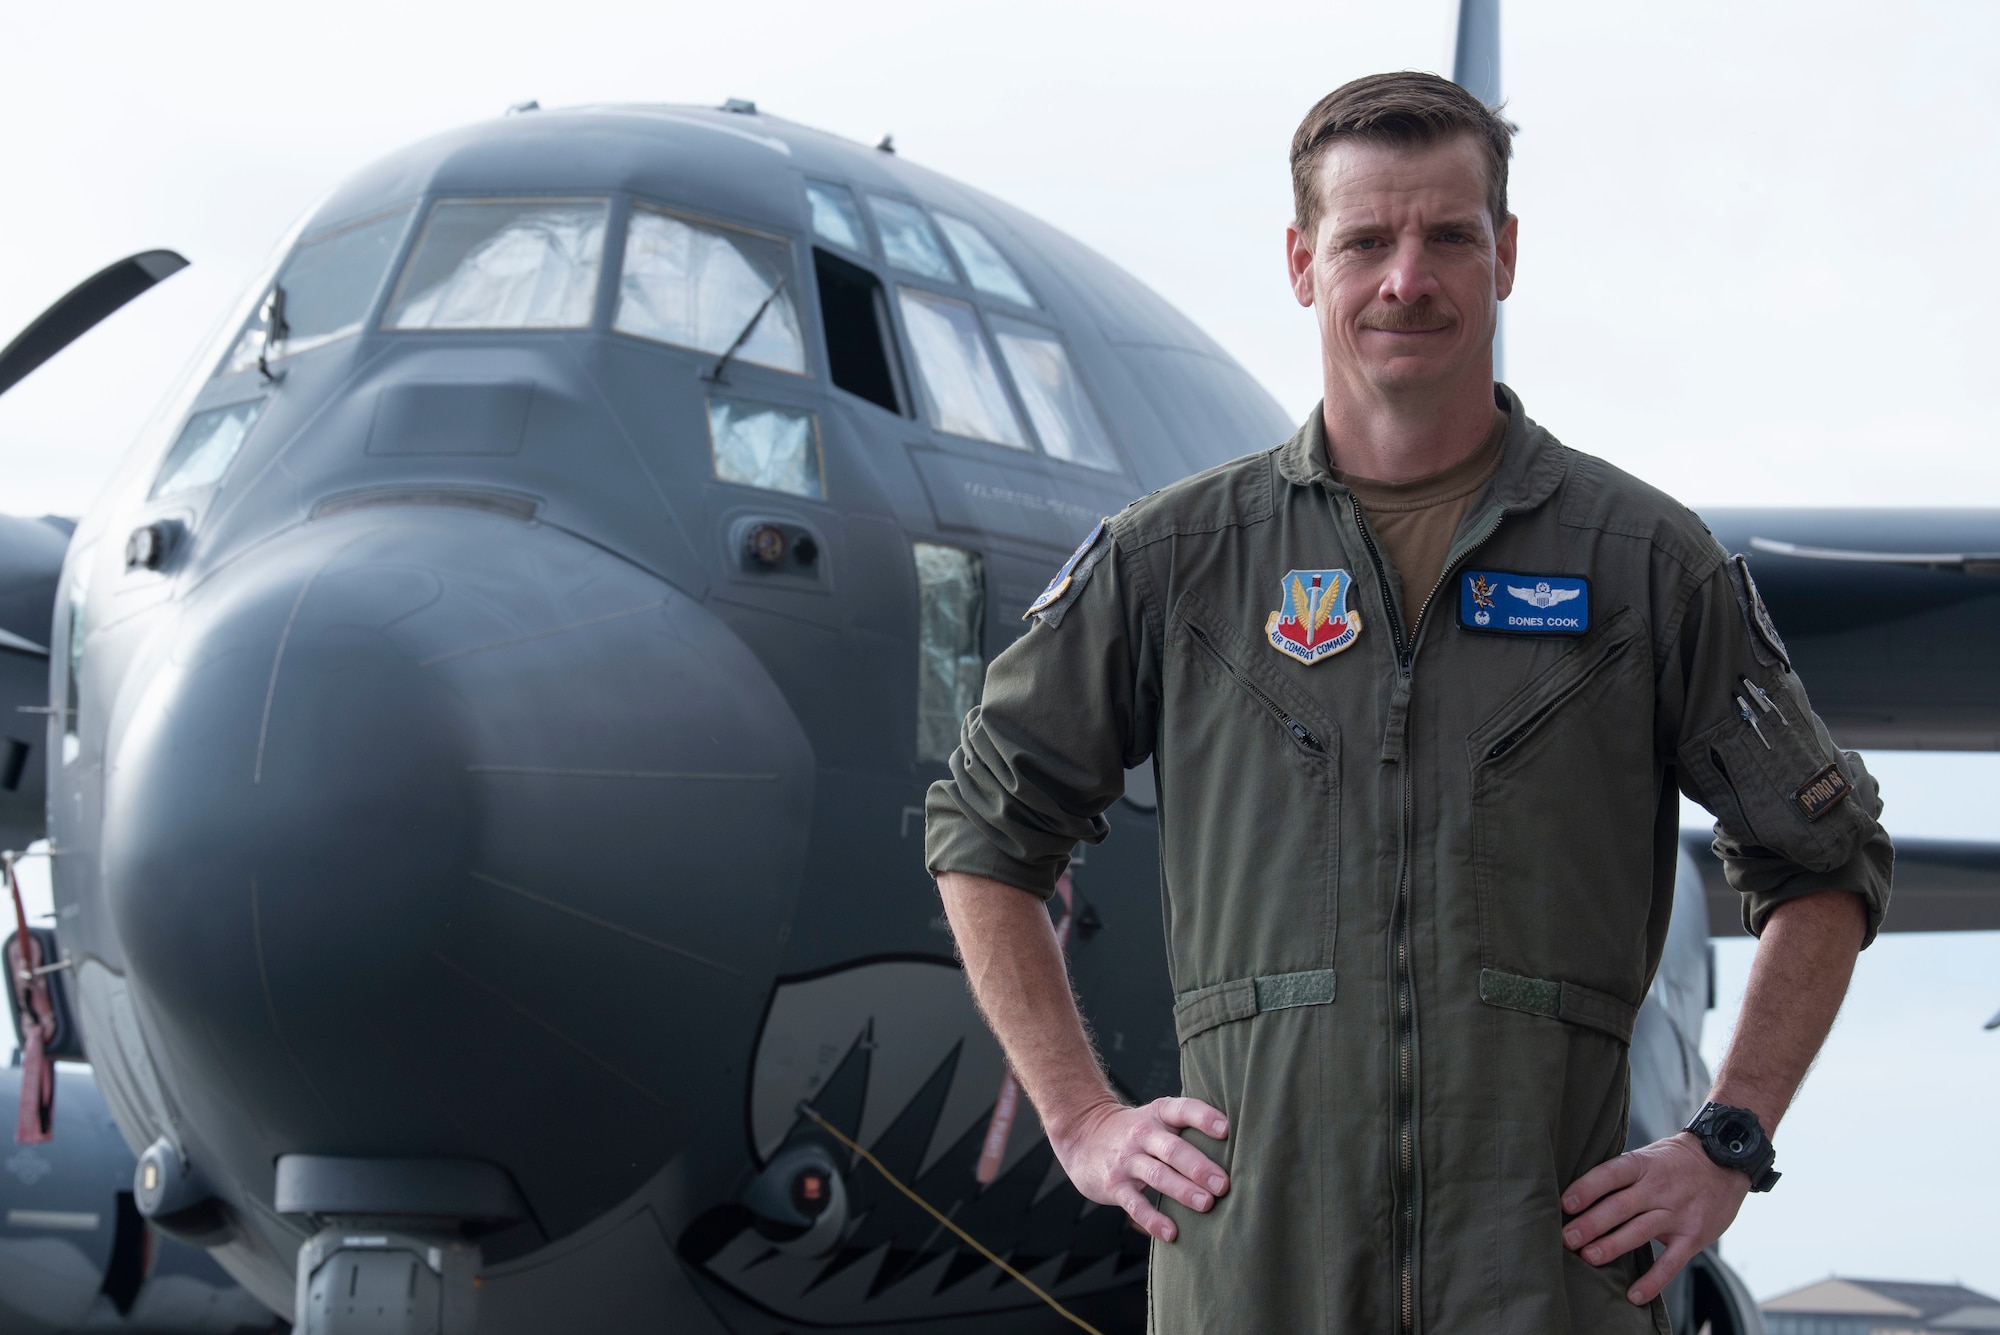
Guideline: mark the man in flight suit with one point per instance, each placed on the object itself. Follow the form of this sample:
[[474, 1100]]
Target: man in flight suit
[[1422, 686]]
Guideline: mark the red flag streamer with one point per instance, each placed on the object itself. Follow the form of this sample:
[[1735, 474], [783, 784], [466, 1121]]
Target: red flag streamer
[[35, 1123], [994, 1148]]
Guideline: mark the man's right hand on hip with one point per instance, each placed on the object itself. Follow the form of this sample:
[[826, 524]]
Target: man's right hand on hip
[[1114, 1153]]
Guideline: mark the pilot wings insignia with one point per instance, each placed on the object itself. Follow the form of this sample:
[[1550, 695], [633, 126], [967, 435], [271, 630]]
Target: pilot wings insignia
[[1542, 595], [1313, 620]]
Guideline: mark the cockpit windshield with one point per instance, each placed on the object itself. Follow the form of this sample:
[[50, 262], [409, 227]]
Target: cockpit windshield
[[503, 264], [702, 287], [329, 282], [835, 216], [983, 263], [1053, 394], [907, 239]]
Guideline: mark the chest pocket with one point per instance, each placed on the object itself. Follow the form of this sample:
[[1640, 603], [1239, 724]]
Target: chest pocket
[[1249, 810], [1564, 791]]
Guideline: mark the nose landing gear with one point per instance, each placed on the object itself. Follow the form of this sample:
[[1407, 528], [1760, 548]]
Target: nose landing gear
[[392, 1258]]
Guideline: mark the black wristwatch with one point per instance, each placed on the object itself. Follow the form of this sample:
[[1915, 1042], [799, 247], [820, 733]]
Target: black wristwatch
[[1734, 1138]]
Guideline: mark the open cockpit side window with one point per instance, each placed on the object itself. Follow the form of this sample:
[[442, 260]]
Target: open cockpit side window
[[324, 291], [860, 347], [705, 287], [503, 264]]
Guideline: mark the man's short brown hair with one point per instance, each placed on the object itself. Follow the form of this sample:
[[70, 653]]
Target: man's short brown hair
[[1404, 110]]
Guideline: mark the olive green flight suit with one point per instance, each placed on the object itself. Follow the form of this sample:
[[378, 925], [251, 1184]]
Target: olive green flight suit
[[1415, 891]]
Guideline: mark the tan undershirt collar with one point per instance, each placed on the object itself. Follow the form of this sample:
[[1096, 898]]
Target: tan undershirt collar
[[1414, 522]]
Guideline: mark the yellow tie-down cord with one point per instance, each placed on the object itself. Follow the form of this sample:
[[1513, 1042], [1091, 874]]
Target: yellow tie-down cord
[[939, 1215]]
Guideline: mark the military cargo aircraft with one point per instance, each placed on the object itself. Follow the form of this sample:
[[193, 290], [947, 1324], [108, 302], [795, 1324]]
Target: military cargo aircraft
[[484, 727]]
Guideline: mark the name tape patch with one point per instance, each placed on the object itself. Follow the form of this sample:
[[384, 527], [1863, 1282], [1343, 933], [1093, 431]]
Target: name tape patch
[[1517, 604], [1822, 792]]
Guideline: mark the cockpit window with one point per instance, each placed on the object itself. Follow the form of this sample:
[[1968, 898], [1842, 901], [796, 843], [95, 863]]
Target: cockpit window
[[503, 264], [982, 261], [836, 216], [80, 566], [329, 283], [205, 448], [765, 445], [700, 287], [907, 239], [965, 395], [1053, 395], [951, 663]]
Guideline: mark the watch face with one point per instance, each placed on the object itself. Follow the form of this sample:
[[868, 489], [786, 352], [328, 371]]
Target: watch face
[[1734, 1133]]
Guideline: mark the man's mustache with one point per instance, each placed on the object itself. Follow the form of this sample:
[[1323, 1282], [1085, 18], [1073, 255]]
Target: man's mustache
[[1417, 319]]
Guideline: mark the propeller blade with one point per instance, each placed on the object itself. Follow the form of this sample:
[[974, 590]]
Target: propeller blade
[[78, 312], [1475, 59], [1994, 1023]]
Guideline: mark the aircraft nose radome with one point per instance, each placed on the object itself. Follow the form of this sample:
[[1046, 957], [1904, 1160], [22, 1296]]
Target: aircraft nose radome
[[417, 776]]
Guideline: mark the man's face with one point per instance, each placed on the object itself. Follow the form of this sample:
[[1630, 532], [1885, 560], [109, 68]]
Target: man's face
[[1404, 268]]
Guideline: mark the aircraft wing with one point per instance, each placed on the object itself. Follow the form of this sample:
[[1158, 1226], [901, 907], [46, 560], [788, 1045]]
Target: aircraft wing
[[1942, 885], [1891, 617]]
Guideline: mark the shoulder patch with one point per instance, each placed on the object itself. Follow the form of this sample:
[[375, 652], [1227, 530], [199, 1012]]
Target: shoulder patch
[[1764, 641], [1053, 601]]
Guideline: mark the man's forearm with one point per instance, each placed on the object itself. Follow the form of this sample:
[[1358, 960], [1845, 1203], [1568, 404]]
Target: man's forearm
[[1803, 964], [1018, 977]]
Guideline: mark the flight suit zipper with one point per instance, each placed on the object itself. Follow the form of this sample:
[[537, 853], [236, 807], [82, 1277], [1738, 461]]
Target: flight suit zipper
[[1399, 929], [1300, 733]]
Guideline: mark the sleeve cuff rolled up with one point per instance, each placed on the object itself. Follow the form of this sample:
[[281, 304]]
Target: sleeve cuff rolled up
[[1767, 881], [955, 841]]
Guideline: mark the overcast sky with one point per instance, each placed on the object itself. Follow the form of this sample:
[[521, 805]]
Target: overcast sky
[[1757, 266]]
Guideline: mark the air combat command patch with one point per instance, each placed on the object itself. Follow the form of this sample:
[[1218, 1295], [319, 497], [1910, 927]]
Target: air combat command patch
[[1500, 600], [1313, 620]]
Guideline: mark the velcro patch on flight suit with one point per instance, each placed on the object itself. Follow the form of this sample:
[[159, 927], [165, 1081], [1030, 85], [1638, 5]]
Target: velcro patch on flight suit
[[1559, 1001], [1053, 602], [1822, 792], [1764, 641], [1203, 1009]]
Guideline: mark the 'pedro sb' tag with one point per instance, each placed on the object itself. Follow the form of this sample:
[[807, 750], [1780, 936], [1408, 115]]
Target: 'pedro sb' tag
[[1822, 792]]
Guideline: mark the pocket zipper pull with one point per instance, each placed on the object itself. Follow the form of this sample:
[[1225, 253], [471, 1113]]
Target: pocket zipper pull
[[1764, 701], [1743, 712]]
